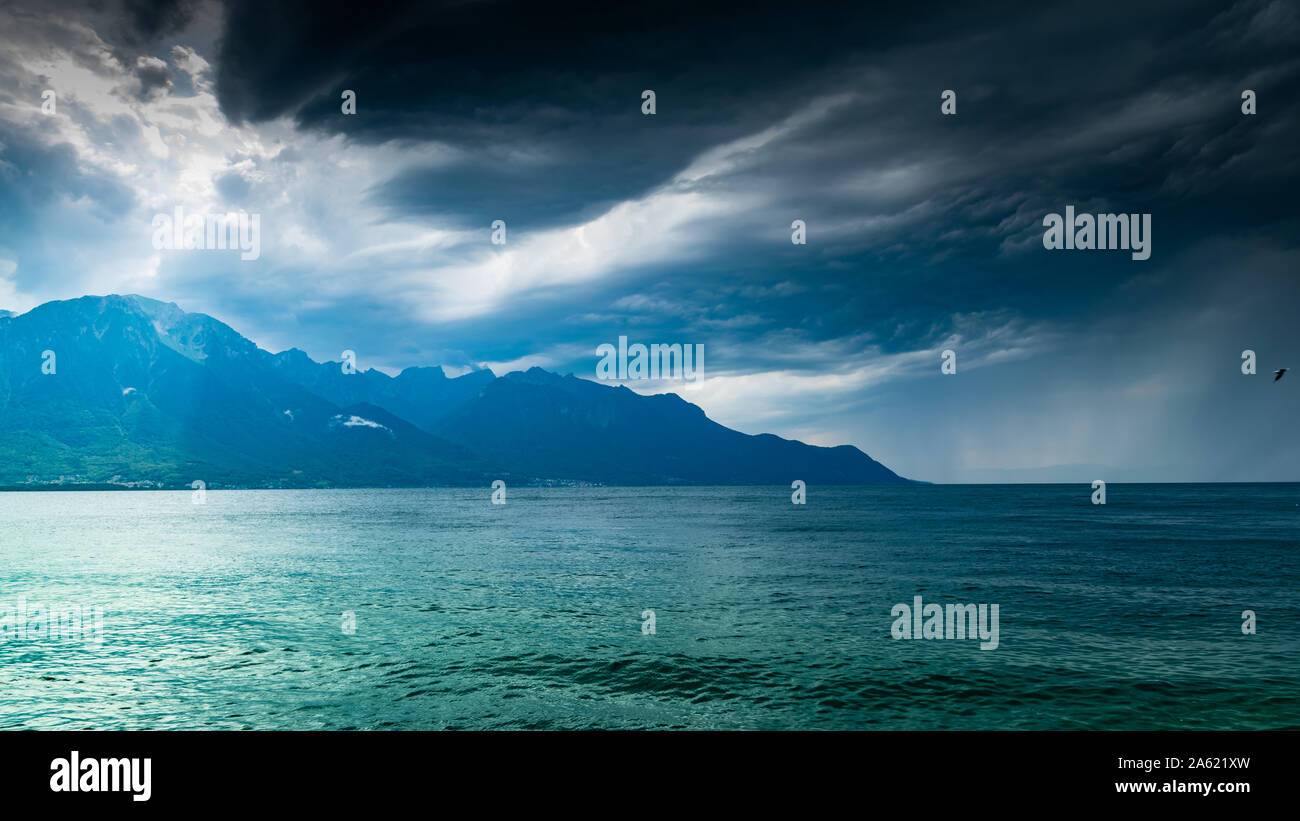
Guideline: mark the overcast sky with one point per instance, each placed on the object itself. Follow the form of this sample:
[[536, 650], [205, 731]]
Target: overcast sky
[[924, 231]]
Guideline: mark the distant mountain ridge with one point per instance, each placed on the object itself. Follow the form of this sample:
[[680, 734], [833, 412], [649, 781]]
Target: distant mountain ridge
[[144, 394], [421, 395]]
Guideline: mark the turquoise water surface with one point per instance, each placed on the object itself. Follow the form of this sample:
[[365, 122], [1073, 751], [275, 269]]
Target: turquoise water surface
[[767, 615]]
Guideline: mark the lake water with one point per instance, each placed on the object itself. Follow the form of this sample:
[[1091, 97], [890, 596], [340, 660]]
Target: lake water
[[767, 614]]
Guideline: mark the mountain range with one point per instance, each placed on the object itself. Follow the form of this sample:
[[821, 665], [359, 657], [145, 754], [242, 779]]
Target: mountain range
[[132, 392]]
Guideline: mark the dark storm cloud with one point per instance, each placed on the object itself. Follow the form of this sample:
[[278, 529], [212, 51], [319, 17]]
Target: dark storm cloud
[[1127, 107], [478, 65], [151, 19], [154, 76], [129, 25], [35, 176], [480, 189], [544, 97]]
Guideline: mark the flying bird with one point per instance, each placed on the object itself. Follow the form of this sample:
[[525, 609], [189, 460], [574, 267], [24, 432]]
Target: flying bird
[[1277, 374]]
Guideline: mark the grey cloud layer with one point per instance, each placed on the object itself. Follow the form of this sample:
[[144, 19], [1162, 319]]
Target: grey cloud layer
[[924, 231]]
